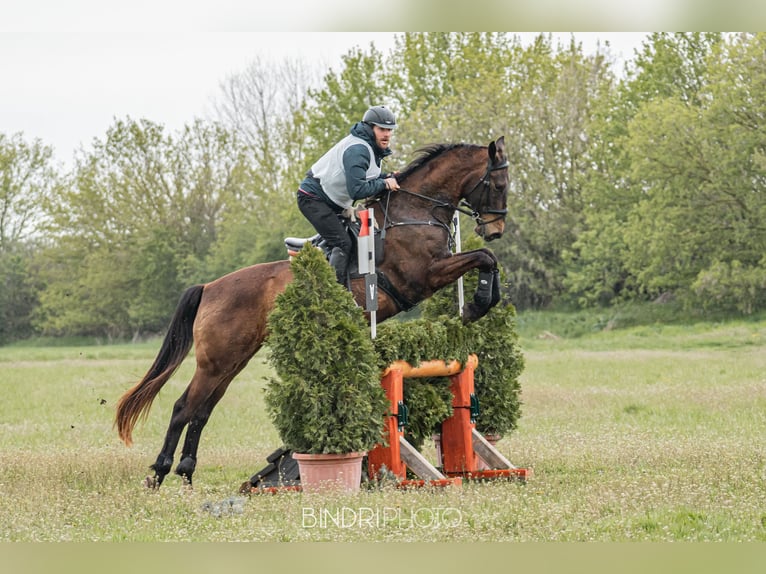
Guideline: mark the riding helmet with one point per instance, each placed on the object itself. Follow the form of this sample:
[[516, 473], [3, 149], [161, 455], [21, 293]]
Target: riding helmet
[[380, 116]]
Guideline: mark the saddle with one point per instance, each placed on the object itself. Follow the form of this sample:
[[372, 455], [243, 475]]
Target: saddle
[[295, 244]]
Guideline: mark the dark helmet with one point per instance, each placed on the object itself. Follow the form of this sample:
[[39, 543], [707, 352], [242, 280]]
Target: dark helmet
[[380, 116]]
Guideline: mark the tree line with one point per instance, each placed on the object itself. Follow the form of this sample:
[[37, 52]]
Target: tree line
[[625, 185]]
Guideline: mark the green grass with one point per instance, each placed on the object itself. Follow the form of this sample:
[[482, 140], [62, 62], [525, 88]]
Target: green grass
[[643, 433]]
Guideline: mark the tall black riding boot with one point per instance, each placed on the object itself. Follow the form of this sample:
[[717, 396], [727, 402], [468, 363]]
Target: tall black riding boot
[[339, 262]]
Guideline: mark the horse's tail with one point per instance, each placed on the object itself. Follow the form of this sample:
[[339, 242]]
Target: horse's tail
[[135, 403]]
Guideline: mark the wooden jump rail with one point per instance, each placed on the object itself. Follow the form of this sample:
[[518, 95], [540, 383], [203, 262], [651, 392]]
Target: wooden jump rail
[[460, 441]]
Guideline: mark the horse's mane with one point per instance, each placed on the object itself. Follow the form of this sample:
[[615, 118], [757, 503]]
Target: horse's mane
[[427, 153]]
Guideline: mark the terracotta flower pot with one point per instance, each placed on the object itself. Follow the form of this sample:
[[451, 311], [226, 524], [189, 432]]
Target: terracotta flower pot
[[328, 472]]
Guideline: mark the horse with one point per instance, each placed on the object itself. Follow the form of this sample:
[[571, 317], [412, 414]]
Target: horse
[[227, 319]]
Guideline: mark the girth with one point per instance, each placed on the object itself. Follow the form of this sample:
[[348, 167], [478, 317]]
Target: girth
[[401, 301]]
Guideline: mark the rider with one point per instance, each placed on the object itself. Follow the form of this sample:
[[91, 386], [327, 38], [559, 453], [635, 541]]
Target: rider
[[348, 172]]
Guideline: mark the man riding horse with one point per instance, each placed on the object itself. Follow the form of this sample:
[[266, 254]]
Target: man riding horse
[[226, 320], [348, 172]]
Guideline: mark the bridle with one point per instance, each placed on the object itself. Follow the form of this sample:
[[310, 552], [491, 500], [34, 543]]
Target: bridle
[[464, 206], [487, 189]]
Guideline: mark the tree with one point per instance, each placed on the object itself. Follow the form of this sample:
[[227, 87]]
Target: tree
[[700, 226], [18, 295], [671, 65], [553, 157], [452, 87], [264, 105], [603, 265], [134, 228], [27, 179]]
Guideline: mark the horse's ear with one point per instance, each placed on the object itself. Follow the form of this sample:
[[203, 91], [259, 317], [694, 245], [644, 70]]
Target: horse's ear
[[492, 149], [496, 148]]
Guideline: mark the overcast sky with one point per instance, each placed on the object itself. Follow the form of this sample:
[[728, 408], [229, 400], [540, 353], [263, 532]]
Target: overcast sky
[[66, 88]]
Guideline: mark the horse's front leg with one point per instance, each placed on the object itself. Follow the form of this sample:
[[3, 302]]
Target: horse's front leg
[[487, 295]]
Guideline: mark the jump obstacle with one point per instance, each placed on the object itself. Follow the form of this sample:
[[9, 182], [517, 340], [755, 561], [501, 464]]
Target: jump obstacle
[[461, 444], [463, 448]]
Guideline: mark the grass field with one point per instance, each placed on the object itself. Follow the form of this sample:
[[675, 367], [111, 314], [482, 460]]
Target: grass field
[[647, 433]]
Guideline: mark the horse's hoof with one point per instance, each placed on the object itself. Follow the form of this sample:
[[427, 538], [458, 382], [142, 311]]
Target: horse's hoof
[[151, 483]]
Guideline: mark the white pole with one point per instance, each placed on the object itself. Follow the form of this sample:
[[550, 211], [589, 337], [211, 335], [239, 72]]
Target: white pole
[[460, 295], [371, 280]]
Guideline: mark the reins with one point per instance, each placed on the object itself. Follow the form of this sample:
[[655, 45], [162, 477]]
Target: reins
[[463, 206], [436, 222]]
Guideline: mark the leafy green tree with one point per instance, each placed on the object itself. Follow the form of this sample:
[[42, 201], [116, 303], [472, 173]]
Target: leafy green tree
[[86, 293], [700, 229], [27, 178], [602, 265], [671, 65], [552, 160], [136, 224], [18, 296], [731, 287], [452, 87], [662, 248], [155, 273]]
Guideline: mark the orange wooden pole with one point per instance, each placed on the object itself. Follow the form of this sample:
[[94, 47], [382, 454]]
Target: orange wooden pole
[[390, 455], [431, 368], [458, 455], [458, 428]]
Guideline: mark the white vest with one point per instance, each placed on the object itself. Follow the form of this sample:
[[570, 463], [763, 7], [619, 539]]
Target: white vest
[[329, 170]]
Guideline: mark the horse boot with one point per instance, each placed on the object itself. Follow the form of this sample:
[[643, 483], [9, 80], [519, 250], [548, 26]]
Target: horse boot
[[484, 291], [495, 288], [339, 262]]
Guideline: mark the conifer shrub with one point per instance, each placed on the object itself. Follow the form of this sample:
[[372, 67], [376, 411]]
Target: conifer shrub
[[440, 334], [327, 397], [429, 400], [495, 341]]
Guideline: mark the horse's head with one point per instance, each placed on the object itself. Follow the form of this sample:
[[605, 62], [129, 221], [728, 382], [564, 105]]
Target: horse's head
[[488, 199]]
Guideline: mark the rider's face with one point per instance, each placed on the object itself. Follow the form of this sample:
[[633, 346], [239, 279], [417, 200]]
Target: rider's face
[[382, 136]]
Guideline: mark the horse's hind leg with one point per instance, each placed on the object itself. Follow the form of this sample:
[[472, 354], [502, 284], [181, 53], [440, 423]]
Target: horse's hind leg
[[165, 458], [188, 462], [184, 410]]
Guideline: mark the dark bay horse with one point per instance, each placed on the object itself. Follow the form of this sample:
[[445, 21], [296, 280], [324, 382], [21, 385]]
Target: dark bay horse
[[226, 319]]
